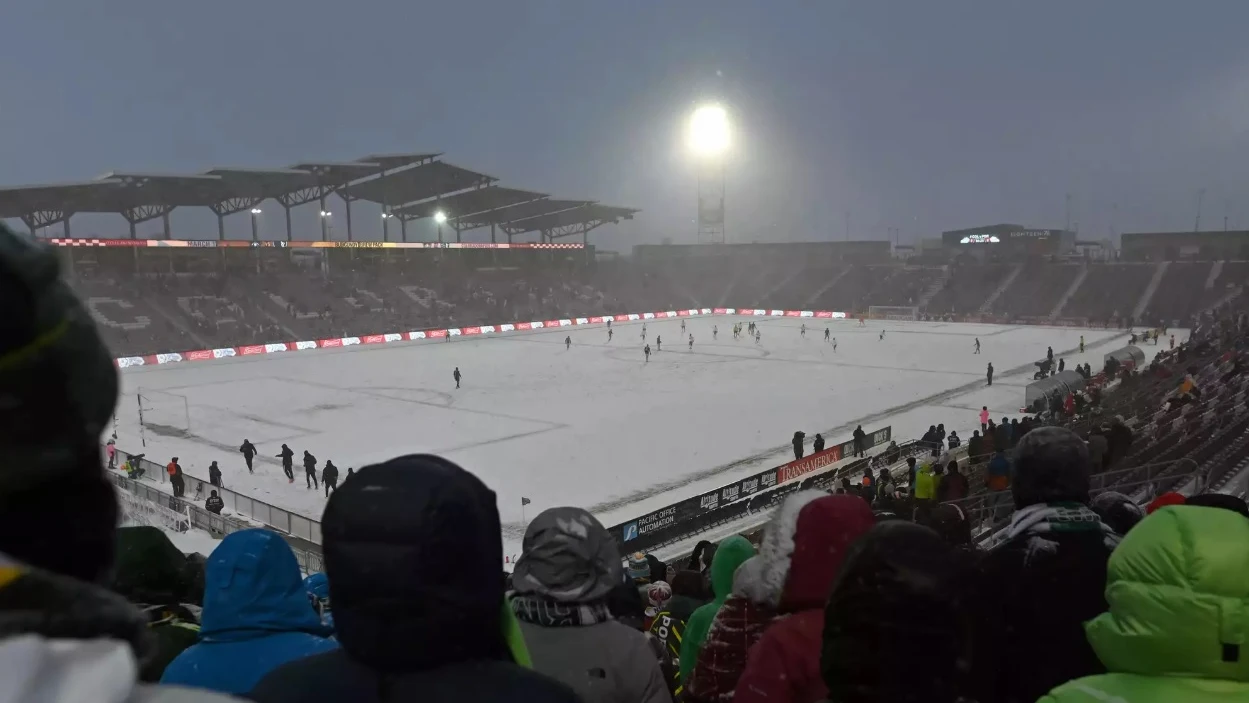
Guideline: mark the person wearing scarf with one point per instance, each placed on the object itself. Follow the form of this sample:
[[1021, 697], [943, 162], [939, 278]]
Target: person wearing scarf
[[1033, 593], [568, 566]]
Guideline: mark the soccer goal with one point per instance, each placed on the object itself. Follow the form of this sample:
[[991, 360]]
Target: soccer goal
[[163, 413], [892, 312]]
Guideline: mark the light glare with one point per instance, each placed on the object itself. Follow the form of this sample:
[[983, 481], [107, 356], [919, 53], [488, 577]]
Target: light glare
[[708, 133], [440, 217]]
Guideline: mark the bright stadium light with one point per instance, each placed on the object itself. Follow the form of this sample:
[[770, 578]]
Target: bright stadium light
[[256, 211], [440, 217], [708, 131], [325, 213]]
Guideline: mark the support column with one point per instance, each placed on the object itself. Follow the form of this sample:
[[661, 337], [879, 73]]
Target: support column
[[457, 235], [403, 229], [347, 202], [164, 218], [67, 232], [492, 239], [221, 227], [321, 215], [288, 221]]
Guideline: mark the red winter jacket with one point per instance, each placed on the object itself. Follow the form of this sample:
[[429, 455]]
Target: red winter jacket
[[739, 623], [784, 665]]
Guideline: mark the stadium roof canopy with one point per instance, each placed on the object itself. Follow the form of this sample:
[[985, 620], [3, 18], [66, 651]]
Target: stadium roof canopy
[[419, 183], [430, 179], [567, 222], [463, 206]]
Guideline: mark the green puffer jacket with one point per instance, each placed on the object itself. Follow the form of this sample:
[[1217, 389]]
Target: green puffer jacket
[[1178, 625], [729, 555]]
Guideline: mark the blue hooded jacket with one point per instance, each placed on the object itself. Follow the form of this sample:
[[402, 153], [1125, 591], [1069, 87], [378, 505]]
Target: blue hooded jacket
[[318, 587], [257, 616]]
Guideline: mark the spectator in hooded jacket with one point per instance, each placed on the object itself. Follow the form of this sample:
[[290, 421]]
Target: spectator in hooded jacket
[[412, 554], [731, 554], [749, 610], [1170, 634], [737, 627], [894, 626], [318, 588], [568, 565], [784, 666], [1034, 592], [65, 636], [256, 616]]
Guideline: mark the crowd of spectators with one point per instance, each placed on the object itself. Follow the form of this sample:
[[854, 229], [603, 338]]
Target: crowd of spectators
[[153, 309]]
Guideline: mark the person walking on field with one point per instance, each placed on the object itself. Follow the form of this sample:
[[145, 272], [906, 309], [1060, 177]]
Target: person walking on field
[[310, 469], [288, 462], [456, 375], [248, 450], [989, 374], [329, 477]]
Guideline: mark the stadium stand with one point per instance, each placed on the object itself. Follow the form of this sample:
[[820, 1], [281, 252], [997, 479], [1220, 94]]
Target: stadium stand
[[1037, 290], [1110, 292]]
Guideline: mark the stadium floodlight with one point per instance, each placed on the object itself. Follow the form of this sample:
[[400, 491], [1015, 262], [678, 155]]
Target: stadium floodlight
[[386, 215], [708, 130], [325, 213], [440, 217], [256, 211]]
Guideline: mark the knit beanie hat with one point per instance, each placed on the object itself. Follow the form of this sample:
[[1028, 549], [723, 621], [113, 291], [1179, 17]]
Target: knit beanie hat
[[1051, 465], [639, 569], [58, 387]]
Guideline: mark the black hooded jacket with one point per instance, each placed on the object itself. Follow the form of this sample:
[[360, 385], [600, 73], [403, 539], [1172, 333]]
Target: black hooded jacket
[[412, 553], [895, 606]]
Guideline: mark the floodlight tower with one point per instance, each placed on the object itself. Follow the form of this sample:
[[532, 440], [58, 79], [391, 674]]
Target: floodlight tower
[[708, 139]]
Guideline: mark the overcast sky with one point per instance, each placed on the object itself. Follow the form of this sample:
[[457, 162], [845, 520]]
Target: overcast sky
[[918, 115]]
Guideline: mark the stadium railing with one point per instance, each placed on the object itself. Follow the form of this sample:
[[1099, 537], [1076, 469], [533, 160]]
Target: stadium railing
[[280, 519], [989, 512], [302, 533]]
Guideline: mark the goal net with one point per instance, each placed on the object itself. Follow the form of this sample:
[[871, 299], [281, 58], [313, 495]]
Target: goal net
[[163, 412], [892, 312]]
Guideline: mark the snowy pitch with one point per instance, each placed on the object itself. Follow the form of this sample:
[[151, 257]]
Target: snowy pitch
[[593, 425]]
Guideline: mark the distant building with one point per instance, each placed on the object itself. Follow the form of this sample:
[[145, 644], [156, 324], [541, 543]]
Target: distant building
[[1178, 246]]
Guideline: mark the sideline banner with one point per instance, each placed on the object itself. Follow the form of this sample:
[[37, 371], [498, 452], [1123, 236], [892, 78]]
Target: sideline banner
[[660, 525]]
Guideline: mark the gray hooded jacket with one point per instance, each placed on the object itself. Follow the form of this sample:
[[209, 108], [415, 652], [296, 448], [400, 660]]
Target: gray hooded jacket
[[568, 565]]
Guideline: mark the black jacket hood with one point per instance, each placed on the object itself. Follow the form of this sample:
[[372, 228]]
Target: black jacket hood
[[413, 552]]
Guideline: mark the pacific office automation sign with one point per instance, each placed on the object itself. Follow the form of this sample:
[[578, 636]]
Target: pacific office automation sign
[[675, 515]]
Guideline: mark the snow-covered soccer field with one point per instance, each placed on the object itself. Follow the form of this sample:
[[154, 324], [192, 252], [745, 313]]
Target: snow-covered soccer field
[[593, 425]]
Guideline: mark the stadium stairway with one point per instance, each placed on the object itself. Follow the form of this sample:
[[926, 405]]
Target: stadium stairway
[[1071, 290], [987, 305], [1152, 288]]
